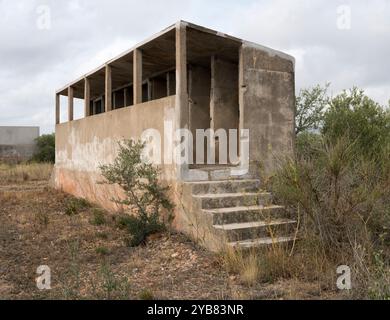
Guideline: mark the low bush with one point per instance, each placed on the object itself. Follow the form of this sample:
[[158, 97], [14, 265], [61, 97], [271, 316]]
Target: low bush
[[98, 217], [103, 251], [145, 198], [75, 205]]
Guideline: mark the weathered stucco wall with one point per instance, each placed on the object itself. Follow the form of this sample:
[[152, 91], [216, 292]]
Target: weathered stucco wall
[[17, 143], [83, 145], [267, 105]]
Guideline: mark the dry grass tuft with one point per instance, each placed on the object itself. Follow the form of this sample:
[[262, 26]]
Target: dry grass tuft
[[25, 172]]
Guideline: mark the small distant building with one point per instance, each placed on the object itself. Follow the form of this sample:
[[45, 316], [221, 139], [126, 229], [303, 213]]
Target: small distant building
[[17, 143]]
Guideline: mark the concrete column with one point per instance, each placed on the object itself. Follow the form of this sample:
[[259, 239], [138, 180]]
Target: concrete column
[[182, 112], [58, 109], [113, 100], [137, 76], [168, 84], [87, 97], [181, 103], [150, 89], [108, 92], [70, 103]]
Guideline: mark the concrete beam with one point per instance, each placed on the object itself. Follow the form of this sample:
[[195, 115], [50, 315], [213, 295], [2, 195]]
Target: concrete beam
[[137, 74], [70, 103], [108, 91], [58, 109], [87, 97], [182, 111]]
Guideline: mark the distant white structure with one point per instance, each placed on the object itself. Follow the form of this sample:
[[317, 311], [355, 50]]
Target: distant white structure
[[17, 143]]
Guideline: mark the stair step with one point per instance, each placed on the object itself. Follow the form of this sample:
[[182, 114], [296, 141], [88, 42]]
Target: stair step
[[255, 224], [215, 174], [224, 200], [224, 186], [257, 229], [246, 244], [245, 214]]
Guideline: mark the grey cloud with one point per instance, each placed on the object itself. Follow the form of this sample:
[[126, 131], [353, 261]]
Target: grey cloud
[[85, 33]]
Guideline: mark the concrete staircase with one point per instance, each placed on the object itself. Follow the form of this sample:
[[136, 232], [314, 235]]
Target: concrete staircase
[[235, 211]]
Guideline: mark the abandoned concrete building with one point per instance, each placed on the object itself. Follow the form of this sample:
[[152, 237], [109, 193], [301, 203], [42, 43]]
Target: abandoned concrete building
[[195, 78], [17, 143]]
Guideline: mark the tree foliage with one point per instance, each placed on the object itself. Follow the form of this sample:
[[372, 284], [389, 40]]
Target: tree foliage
[[363, 121], [310, 105], [45, 148]]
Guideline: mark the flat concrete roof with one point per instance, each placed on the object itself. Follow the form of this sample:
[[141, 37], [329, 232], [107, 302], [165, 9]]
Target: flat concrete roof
[[159, 56]]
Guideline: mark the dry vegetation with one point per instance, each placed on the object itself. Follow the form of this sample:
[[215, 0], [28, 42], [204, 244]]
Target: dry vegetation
[[25, 172], [90, 259]]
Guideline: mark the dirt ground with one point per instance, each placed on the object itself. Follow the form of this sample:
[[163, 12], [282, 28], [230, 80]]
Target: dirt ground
[[90, 261]]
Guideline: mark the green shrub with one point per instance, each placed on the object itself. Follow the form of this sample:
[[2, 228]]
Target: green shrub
[[308, 144], [310, 106], [98, 217], [363, 121], [103, 251], [45, 149], [343, 200], [111, 286], [144, 198], [74, 205], [139, 228], [146, 295]]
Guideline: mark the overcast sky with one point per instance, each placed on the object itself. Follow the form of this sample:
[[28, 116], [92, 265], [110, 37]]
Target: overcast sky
[[345, 42]]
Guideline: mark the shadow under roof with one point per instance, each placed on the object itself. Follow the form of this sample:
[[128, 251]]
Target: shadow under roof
[[159, 55]]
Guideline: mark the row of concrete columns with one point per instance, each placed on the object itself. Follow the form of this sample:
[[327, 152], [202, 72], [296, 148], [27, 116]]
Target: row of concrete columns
[[181, 80]]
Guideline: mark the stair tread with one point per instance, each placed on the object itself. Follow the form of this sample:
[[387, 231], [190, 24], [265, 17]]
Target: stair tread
[[213, 167], [222, 181], [227, 195], [242, 209], [261, 241], [253, 224]]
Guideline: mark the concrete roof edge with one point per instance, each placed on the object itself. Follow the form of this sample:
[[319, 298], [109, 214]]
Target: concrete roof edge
[[30, 127], [179, 23], [138, 45], [270, 51]]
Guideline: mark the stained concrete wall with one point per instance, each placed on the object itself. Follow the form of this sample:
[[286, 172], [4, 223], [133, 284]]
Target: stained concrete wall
[[224, 95], [17, 143], [83, 145], [199, 86], [224, 107], [267, 100]]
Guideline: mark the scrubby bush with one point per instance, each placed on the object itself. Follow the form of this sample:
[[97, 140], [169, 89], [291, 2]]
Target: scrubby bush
[[75, 205], [145, 198], [45, 149], [339, 185], [98, 217]]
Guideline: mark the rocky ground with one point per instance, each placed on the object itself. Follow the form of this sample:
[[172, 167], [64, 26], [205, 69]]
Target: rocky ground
[[89, 259]]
